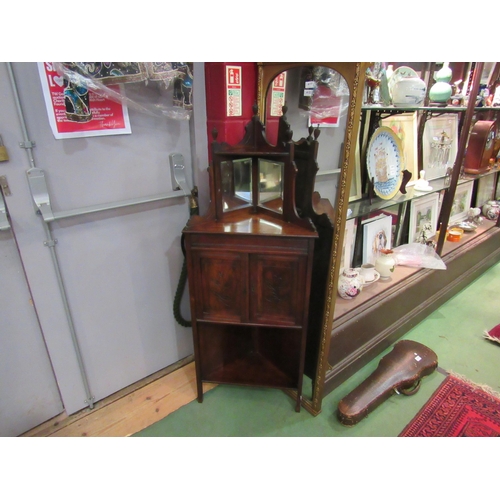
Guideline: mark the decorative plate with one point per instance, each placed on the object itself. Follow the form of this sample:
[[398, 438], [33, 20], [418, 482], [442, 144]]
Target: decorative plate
[[384, 161], [399, 74]]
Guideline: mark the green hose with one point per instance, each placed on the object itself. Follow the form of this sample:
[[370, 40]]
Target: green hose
[[193, 210]]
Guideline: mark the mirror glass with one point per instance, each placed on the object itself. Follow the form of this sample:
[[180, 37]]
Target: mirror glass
[[236, 184], [271, 184], [315, 96]]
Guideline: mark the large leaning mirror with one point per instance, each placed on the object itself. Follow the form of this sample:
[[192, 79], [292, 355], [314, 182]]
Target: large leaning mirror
[[326, 96]]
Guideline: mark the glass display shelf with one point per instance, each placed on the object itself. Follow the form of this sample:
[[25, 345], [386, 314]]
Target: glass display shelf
[[373, 291], [442, 109], [408, 109], [472, 177], [360, 208]]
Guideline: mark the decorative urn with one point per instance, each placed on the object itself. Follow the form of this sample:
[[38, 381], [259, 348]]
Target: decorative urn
[[350, 284], [409, 92], [491, 209]]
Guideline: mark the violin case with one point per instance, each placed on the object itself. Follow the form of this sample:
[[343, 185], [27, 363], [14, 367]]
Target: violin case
[[400, 371]]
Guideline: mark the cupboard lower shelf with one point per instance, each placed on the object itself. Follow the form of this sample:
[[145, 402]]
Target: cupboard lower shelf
[[253, 369], [250, 355]]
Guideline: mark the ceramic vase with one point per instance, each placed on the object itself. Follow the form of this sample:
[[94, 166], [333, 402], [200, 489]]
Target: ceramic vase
[[350, 284], [409, 91], [385, 264], [441, 91], [491, 209]]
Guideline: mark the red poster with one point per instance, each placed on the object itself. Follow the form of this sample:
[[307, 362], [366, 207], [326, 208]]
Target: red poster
[[97, 115]]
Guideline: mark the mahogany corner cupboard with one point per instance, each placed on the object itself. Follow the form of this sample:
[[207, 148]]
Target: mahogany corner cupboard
[[250, 261]]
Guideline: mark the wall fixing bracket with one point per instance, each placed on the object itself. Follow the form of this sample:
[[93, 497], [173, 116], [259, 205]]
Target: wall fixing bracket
[[40, 193], [4, 186], [178, 172], [4, 219]]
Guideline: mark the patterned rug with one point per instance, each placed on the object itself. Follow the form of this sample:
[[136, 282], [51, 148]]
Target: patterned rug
[[458, 408]]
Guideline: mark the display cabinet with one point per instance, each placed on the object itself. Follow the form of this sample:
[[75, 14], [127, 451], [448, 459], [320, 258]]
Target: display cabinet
[[384, 311], [355, 331], [250, 262]]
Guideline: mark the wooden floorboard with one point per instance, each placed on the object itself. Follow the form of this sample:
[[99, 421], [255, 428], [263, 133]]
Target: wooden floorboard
[[129, 411]]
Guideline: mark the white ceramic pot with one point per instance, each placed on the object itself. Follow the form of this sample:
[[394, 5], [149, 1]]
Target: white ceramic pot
[[491, 209], [350, 284], [408, 92], [385, 264]]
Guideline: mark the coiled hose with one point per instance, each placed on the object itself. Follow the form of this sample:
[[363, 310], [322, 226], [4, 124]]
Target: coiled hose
[[193, 210]]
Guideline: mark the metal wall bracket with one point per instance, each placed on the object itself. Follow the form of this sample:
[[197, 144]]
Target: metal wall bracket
[[4, 220], [27, 144], [178, 173], [50, 243], [40, 193], [4, 186]]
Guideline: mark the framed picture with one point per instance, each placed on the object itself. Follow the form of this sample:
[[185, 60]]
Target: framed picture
[[461, 202], [486, 189], [349, 240], [440, 145], [405, 126], [423, 218], [377, 235]]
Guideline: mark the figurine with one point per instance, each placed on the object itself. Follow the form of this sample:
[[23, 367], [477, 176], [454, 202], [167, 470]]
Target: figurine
[[425, 235], [422, 184]]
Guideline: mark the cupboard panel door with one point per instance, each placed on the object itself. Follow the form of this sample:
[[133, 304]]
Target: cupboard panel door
[[277, 288], [221, 279]]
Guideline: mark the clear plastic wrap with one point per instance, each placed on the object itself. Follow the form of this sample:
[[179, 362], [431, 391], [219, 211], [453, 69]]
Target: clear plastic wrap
[[325, 96], [100, 77], [418, 255]]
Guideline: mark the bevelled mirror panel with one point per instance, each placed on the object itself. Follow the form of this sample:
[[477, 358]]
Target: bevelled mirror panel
[[236, 184], [271, 184]]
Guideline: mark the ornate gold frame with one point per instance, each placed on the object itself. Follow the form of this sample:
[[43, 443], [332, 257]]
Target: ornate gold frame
[[354, 74]]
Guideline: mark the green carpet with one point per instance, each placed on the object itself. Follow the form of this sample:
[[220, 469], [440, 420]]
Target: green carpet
[[454, 332]]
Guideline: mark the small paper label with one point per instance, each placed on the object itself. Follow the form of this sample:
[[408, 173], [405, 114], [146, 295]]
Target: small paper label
[[310, 84], [308, 93]]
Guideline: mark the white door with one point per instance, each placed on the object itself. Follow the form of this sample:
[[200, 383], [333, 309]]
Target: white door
[[28, 388], [103, 283]]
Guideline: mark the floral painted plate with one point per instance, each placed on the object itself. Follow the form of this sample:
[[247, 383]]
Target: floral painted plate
[[384, 161]]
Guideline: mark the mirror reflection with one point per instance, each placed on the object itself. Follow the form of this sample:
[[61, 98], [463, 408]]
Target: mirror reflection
[[271, 184], [316, 96], [236, 184]]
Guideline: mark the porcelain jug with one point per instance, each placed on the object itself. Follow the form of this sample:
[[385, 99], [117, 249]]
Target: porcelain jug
[[350, 284], [385, 264]]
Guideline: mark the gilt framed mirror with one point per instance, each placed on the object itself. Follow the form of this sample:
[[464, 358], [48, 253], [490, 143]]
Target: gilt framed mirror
[[326, 95]]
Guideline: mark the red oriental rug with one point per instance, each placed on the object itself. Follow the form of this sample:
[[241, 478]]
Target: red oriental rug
[[457, 409]]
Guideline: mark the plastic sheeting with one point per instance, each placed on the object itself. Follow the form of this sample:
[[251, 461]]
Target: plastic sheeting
[[100, 77]]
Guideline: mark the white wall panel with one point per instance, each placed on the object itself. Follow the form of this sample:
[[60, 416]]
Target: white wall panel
[[120, 267]]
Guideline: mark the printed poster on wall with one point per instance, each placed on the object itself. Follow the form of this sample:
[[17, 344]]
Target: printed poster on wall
[[278, 94], [74, 112], [233, 91]]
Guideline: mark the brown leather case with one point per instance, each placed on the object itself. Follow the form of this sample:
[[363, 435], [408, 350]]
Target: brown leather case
[[400, 371]]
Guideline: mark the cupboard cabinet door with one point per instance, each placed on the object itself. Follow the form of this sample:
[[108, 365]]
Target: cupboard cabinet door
[[277, 289], [220, 278]]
